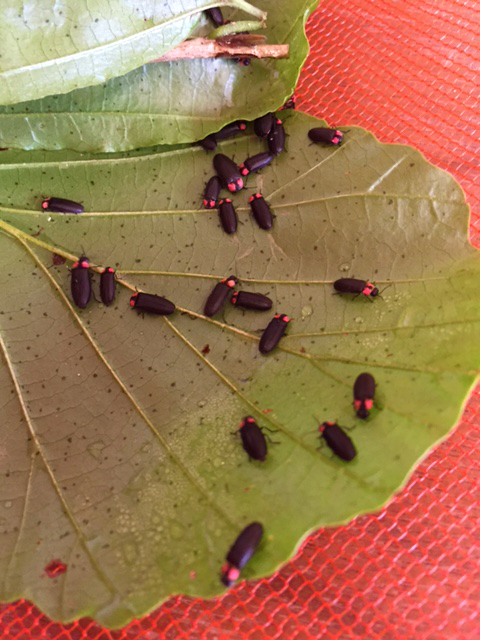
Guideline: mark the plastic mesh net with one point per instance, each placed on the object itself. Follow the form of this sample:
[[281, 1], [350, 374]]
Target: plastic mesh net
[[406, 71]]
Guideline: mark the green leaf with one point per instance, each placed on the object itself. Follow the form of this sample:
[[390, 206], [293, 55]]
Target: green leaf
[[116, 450], [165, 103], [54, 47]]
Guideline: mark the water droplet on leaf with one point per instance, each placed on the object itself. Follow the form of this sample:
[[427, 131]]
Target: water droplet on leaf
[[130, 552], [176, 531]]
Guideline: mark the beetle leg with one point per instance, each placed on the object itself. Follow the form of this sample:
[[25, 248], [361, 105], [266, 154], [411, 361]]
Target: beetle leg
[[329, 457], [270, 440]]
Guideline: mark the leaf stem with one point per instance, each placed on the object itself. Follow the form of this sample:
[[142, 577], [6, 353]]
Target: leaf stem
[[203, 48], [247, 7], [236, 27], [21, 235]]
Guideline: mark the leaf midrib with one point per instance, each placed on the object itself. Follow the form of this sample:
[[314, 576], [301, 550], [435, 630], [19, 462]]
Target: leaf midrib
[[102, 48], [202, 212]]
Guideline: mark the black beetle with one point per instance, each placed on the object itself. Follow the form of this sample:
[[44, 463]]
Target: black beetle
[[107, 286], [219, 295], [256, 162], [273, 333], [81, 282], [276, 138], [261, 211], [337, 440], [263, 125], [251, 300], [228, 215], [216, 16], [324, 135], [253, 440], [230, 130], [212, 191], [353, 285], [150, 303], [62, 205], [363, 394], [228, 172], [240, 553]]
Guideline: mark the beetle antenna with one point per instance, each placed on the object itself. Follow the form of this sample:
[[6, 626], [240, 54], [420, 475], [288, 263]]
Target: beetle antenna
[[380, 293]]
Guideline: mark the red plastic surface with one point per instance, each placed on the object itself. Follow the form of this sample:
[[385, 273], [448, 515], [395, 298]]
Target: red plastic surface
[[408, 71]]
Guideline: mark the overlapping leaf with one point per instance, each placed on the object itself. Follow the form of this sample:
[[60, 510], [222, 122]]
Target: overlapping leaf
[[116, 454], [167, 102], [50, 47]]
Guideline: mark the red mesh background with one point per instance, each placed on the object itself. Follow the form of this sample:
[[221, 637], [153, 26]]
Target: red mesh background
[[405, 69]]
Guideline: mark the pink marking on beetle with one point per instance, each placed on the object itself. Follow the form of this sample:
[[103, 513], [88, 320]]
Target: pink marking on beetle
[[336, 140], [231, 187], [230, 283], [133, 299], [325, 424], [45, 204], [368, 404], [357, 404], [242, 126], [369, 287], [84, 264], [233, 573], [339, 134], [286, 319], [244, 171], [240, 183], [74, 265], [110, 270]]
